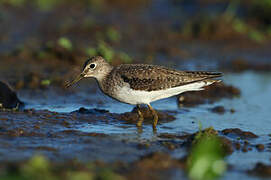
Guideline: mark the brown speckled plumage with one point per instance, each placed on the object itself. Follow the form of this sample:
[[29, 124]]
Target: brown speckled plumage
[[151, 77]]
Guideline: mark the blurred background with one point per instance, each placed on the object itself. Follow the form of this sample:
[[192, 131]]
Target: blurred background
[[44, 44], [49, 39]]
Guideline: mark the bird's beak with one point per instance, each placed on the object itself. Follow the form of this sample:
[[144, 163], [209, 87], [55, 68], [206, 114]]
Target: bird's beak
[[78, 78]]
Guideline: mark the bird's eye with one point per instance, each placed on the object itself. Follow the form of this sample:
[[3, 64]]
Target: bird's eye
[[92, 66]]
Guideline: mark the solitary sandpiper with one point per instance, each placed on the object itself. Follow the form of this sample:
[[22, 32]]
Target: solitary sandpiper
[[143, 83]]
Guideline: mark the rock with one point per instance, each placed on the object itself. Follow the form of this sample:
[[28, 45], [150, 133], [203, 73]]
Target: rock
[[211, 94], [240, 64], [260, 147], [218, 110], [132, 117], [8, 98], [261, 170], [239, 132]]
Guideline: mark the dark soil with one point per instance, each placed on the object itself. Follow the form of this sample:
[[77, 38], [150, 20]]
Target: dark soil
[[239, 133], [211, 94], [218, 109], [239, 65], [261, 169], [8, 98], [132, 117]]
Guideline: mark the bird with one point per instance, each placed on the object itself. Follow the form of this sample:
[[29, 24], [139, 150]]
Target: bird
[[138, 84]]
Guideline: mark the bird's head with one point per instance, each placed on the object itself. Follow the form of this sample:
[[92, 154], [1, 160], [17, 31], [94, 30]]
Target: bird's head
[[96, 67]]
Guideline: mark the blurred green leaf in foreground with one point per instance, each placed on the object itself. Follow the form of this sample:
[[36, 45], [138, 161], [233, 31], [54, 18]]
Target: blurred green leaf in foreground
[[65, 43], [40, 168], [206, 159]]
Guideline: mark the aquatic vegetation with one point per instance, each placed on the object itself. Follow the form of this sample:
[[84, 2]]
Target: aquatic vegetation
[[39, 167], [113, 35], [103, 50], [45, 82], [254, 26], [91, 51], [108, 53], [46, 5], [65, 43], [88, 22], [79, 175], [239, 26], [256, 35], [43, 5], [125, 57], [264, 4], [13, 2], [108, 174], [206, 159]]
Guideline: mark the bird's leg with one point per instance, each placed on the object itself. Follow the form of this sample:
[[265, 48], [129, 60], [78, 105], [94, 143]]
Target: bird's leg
[[155, 117], [141, 118]]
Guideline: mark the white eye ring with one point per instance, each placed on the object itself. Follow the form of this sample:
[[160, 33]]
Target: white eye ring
[[92, 66]]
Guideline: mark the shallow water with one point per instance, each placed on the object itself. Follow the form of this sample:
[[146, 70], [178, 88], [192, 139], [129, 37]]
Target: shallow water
[[252, 113], [252, 108]]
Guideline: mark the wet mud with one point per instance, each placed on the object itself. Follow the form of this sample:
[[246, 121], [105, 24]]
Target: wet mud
[[211, 94], [261, 169], [132, 117], [60, 130], [56, 136], [240, 65], [34, 130]]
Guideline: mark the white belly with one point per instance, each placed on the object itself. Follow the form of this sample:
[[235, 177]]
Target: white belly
[[127, 95]]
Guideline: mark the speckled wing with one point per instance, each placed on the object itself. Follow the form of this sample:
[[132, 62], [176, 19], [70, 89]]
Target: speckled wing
[[151, 78]]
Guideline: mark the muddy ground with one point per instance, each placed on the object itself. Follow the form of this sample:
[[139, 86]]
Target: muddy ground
[[45, 45]]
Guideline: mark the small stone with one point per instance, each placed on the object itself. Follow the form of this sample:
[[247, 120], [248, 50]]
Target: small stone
[[239, 132], [218, 110], [8, 98], [260, 147]]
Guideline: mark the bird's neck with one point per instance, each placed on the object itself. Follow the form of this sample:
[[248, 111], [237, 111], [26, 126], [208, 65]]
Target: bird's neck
[[104, 82], [102, 75]]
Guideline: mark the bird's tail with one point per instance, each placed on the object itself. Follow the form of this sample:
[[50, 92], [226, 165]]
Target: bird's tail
[[211, 81]]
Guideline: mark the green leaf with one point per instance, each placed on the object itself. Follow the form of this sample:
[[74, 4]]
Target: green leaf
[[106, 51], [206, 159], [65, 43], [256, 36], [45, 82], [239, 26], [91, 51], [125, 57], [113, 35]]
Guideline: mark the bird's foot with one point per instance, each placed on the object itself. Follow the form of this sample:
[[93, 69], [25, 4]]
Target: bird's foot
[[155, 117], [140, 119]]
